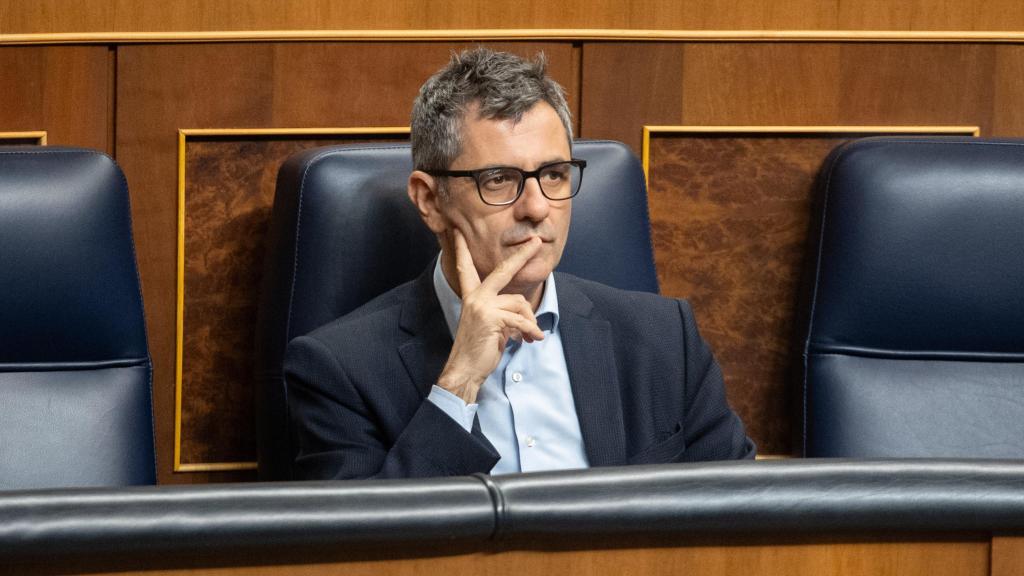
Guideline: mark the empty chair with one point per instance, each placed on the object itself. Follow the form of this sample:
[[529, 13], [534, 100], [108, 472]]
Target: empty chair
[[913, 338], [75, 398], [343, 231]]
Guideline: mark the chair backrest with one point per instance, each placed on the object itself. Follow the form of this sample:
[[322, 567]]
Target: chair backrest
[[75, 392], [913, 343], [343, 231]]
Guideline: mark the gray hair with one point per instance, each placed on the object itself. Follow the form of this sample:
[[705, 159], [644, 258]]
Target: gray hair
[[504, 86]]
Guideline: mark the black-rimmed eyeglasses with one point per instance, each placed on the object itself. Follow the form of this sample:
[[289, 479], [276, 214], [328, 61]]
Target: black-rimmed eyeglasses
[[503, 185]]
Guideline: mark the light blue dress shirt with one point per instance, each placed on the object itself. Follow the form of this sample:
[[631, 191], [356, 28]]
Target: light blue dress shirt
[[525, 406]]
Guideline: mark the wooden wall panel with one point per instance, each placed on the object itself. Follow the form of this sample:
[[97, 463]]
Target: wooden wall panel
[[930, 15], [1008, 97], [782, 555], [35, 16], [66, 91], [162, 88], [944, 84], [797, 84], [1007, 555], [770, 83], [776, 84], [627, 85]]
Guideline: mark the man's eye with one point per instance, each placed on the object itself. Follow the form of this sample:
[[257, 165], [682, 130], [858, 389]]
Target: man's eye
[[555, 174], [496, 180]]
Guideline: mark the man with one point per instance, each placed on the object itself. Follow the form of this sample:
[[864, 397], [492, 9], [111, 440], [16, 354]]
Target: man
[[489, 362]]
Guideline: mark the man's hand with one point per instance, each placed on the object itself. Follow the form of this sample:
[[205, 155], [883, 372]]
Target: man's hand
[[488, 319]]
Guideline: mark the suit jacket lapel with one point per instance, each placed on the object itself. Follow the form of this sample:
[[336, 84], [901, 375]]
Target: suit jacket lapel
[[427, 344], [587, 343]]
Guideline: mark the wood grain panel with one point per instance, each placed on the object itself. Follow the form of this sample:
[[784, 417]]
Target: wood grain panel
[[1008, 98], [1008, 555], [771, 84], [32, 16], [912, 84], [162, 88], [783, 556], [626, 86], [66, 91], [930, 15]]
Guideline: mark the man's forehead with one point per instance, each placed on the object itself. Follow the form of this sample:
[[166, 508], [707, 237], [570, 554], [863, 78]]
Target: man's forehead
[[475, 113]]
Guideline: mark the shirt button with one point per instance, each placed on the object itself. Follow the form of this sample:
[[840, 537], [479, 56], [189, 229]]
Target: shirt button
[[530, 441], [516, 376]]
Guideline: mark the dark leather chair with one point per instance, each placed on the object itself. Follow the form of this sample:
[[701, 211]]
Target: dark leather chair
[[343, 231], [913, 341], [75, 392]]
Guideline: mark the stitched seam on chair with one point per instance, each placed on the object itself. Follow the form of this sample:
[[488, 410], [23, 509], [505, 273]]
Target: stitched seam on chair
[[928, 141], [142, 312], [814, 291], [939, 355], [56, 150], [71, 366], [647, 212]]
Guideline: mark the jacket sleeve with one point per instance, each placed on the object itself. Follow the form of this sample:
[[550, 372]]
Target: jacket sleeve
[[338, 433], [712, 430]]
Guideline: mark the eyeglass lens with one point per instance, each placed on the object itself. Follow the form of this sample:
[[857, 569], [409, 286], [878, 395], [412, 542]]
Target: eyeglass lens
[[557, 182]]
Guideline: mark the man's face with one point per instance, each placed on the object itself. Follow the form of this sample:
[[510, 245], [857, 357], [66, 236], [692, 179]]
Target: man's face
[[493, 232]]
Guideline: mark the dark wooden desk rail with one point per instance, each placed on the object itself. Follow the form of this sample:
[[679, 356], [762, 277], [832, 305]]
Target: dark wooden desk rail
[[928, 517]]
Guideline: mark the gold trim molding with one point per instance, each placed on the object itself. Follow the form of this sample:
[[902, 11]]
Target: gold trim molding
[[534, 34], [39, 135], [183, 135], [790, 130]]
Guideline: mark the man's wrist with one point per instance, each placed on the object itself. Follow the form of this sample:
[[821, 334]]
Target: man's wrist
[[453, 406], [461, 385]]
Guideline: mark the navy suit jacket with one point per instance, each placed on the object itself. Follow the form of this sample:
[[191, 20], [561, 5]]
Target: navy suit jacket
[[646, 387]]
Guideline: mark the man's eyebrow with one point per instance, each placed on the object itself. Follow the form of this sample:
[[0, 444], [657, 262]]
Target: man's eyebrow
[[544, 163], [553, 161]]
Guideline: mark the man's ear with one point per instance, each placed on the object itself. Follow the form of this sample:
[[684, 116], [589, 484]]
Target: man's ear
[[422, 191]]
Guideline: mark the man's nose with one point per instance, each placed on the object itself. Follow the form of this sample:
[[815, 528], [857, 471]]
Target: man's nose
[[532, 205]]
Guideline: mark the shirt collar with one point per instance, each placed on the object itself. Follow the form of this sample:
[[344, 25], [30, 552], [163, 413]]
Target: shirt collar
[[451, 304]]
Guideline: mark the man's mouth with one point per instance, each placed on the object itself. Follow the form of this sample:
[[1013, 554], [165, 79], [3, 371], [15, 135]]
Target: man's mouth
[[527, 239]]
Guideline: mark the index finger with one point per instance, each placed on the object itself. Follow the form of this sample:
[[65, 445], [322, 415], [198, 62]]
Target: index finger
[[469, 279], [503, 272]]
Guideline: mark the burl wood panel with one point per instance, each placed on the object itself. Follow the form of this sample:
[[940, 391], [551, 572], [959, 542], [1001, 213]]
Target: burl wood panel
[[65, 90], [229, 193], [161, 88], [729, 219]]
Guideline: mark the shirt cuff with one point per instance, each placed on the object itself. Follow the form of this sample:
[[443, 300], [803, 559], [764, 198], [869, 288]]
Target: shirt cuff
[[453, 406]]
